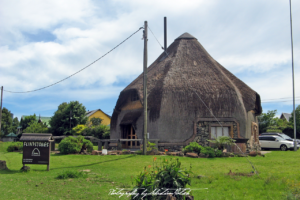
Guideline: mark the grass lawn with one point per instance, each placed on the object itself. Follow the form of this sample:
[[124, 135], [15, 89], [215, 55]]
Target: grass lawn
[[279, 176]]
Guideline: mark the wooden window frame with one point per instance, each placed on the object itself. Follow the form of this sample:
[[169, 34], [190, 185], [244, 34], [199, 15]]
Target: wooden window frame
[[218, 125]]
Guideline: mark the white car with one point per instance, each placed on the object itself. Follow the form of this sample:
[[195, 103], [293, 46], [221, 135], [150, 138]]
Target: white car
[[275, 142]]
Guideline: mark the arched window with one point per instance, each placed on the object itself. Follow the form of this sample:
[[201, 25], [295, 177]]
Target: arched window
[[134, 97]]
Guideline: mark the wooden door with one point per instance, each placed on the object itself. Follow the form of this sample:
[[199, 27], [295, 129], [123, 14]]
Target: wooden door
[[128, 132]]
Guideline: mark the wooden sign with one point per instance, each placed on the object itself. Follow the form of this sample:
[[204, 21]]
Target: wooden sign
[[36, 148], [36, 153]]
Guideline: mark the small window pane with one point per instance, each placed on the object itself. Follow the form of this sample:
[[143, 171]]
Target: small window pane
[[225, 131], [219, 131], [213, 132]]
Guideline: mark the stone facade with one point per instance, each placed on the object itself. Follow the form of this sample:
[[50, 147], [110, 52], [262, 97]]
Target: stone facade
[[203, 130], [170, 148]]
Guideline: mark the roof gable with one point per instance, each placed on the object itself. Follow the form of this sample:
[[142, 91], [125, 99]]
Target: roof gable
[[89, 113]]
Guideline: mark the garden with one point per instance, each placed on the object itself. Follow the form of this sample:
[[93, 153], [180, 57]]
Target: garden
[[77, 176]]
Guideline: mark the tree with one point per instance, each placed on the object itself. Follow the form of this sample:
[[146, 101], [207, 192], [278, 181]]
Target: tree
[[95, 121], [297, 111], [26, 121], [15, 124], [36, 127], [94, 128], [279, 126], [266, 119], [60, 122], [101, 131], [77, 130], [6, 122]]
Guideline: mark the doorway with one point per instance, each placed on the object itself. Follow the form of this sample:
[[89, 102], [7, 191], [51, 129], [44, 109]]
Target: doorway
[[128, 132]]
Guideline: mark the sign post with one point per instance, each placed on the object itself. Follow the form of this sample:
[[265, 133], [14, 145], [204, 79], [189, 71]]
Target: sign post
[[36, 148]]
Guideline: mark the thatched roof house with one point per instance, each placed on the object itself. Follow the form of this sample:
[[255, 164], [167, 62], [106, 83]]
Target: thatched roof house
[[177, 85]]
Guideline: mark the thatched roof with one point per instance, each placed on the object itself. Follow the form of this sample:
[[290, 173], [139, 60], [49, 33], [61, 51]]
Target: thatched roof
[[36, 137], [188, 67]]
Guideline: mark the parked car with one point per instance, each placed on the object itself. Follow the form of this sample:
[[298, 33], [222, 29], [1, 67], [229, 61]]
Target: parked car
[[282, 135], [275, 142]]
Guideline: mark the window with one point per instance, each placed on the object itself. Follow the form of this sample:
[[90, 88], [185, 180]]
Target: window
[[134, 97], [219, 131]]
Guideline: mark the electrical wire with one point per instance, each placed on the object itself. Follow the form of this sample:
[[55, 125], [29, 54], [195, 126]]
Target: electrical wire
[[158, 42], [155, 37], [279, 101], [80, 69], [280, 98]]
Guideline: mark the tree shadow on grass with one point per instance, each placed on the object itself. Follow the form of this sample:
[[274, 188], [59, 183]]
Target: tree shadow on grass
[[121, 158], [21, 172], [8, 171]]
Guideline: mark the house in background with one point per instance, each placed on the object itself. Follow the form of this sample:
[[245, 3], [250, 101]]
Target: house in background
[[285, 116], [99, 114]]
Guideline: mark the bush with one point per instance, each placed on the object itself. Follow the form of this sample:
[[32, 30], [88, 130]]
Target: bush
[[208, 151], [74, 145], [87, 145], [72, 174], [211, 152], [15, 146], [161, 176], [221, 141], [150, 146], [219, 153], [193, 147]]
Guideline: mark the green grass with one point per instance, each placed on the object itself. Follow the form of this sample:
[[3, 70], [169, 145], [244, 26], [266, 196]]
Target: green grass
[[279, 176], [95, 147]]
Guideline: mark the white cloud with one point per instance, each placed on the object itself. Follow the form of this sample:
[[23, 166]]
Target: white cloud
[[247, 37]]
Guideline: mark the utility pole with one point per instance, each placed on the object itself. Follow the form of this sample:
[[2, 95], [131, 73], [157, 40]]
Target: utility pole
[[1, 107], [70, 120], [295, 143], [145, 87], [165, 34]]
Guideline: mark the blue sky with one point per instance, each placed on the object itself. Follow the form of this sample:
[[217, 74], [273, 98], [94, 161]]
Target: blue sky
[[45, 41]]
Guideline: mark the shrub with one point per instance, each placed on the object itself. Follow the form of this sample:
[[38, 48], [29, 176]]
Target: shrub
[[74, 145], [211, 152], [139, 152], [161, 176], [208, 151], [15, 146], [150, 146], [72, 174], [88, 145], [193, 147], [219, 153], [221, 141]]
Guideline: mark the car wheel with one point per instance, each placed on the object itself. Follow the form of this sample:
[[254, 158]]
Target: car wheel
[[283, 148]]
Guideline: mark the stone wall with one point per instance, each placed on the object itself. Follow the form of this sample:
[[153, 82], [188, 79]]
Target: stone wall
[[203, 132]]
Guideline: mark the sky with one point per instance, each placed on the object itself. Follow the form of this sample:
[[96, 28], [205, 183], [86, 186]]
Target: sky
[[43, 42]]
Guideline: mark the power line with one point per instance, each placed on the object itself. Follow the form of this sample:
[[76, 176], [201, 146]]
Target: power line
[[279, 101], [81, 69], [158, 42], [280, 98], [155, 37]]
